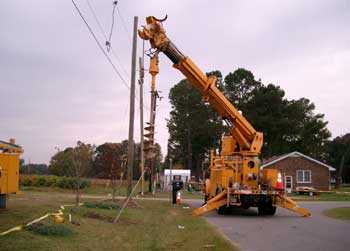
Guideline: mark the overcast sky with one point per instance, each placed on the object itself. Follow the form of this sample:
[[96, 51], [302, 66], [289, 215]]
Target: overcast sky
[[56, 86]]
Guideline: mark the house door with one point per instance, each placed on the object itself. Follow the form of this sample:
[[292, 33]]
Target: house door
[[288, 183]]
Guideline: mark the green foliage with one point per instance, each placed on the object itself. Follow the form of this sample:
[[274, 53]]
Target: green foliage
[[337, 149], [288, 125], [341, 213], [194, 127], [101, 205], [108, 163], [73, 161], [39, 169], [53, 181], [49, 229]]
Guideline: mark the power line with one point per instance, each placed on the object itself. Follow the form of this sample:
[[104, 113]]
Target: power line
[[91, 7], [99, 45], [108, 42], [123, 23]]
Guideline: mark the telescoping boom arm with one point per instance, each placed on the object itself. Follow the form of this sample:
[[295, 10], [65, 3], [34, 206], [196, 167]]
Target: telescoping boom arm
[[246, 137], [235, 177]]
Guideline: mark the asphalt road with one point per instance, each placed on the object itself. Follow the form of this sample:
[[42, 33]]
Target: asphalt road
[[285, 231]]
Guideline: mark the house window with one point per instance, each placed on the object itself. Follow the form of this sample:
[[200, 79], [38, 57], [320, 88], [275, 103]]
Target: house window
[[303, 176]]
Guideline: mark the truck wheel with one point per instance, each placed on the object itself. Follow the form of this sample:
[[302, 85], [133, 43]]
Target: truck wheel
[[266, 210], [271, 210], [222, 210]]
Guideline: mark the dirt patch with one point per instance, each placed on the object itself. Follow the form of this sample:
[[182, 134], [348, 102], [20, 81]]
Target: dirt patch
[[128, 222], [173, 213], [97, 216], [110, 219]]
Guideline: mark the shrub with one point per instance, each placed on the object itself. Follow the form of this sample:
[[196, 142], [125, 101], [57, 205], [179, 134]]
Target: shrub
[[53, 181], [49, 229], [40, 181], [101, 205]]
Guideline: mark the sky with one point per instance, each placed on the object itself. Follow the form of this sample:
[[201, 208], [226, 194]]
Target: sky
[[56, 87]]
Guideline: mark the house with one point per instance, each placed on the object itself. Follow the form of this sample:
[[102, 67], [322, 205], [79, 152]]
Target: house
[[299, 170]]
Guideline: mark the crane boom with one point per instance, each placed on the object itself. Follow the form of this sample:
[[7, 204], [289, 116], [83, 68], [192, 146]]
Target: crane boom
[[243, 133], [235, 175]]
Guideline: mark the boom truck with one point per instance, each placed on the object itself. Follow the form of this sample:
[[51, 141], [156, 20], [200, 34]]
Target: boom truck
[[235, 175]]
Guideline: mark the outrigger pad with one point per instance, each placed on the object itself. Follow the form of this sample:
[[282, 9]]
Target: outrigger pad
[[214, 203], [288, 203]]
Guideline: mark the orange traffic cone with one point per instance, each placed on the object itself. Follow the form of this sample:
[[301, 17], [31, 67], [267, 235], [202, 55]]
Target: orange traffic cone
[[279, 183], [178, 198]]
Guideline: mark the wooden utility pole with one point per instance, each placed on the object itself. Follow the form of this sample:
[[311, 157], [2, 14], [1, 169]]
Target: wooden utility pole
[[132, 109], [141, 81]]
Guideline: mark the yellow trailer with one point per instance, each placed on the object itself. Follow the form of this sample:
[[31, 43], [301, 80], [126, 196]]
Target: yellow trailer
[[9, 169]]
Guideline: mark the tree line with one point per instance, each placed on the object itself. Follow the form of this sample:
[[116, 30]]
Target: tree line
[[105, 161], [287, 124]]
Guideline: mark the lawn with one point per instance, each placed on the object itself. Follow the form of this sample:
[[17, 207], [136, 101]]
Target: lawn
[[105, 191], [155, 225], [324, 196], [342, 213]]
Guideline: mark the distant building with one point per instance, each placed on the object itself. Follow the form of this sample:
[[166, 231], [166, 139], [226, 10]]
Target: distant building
[[299, 170]]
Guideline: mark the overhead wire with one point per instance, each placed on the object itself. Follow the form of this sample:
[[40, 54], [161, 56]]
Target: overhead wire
[[108, 42], [99, 45], [124, 24], [91, 7]]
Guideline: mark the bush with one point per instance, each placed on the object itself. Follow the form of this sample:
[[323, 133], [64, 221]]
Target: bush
[[101, 205], [49, 229], [53, 181], [40, 182]]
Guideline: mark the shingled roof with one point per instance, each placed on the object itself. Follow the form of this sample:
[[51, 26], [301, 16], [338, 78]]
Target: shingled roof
[[275, 159]]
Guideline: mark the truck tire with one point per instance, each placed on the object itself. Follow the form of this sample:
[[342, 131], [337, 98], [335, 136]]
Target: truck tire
[[266, 210], [223, 210]]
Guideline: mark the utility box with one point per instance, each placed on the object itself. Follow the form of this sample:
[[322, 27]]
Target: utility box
[[9, 169]]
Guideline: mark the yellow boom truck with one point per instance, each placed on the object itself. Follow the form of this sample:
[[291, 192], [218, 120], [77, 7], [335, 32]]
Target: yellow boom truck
[[235, 175], [9, 169]]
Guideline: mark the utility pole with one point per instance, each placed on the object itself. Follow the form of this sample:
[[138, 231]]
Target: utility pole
[[132, 109], [171, 179], [141, 81]]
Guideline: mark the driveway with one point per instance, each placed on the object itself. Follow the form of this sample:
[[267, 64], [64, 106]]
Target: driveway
[[285, 231]]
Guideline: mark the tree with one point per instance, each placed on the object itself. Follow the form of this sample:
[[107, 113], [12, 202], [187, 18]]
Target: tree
[[287, 125], [73, 162], [61, 162], [82, 164], [194, 127], [239, 87], [40, 169], [338, 156], [109, 163]]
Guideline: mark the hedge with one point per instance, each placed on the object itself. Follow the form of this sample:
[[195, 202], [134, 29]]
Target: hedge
[[53, 181]]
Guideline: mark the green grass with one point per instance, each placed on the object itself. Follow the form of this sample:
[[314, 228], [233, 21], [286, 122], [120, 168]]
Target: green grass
[[327, 196], [342, 213], [105, 191], [153, 226]]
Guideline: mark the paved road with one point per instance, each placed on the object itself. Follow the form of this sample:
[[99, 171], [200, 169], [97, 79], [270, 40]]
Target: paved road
[[284, 231]]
